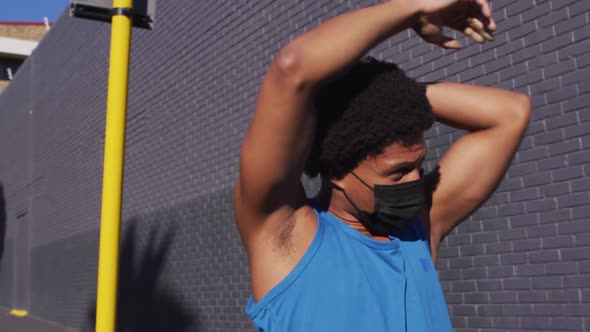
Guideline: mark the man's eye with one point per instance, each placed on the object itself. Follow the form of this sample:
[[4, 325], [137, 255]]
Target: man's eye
[[399, 174]]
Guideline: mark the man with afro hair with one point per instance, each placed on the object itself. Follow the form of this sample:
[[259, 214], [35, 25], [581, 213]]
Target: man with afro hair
[[360, 256]]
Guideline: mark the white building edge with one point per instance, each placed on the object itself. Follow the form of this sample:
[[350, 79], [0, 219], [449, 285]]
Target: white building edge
[[16, 48]]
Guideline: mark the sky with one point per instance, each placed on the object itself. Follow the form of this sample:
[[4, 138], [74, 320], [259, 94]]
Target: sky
[[31, 10]]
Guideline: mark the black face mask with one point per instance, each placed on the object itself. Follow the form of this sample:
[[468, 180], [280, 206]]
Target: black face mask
[[395, 206]]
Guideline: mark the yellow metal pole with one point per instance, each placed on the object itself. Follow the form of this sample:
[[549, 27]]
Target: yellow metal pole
[[114, 151]]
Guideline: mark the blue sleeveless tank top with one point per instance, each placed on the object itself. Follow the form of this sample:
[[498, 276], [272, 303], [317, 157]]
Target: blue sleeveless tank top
[[347, 281]]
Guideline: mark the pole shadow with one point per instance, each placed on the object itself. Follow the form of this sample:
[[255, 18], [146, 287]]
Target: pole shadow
[[144, 303], [2, 221]]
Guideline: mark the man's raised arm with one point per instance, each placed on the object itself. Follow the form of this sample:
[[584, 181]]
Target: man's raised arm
[[278, 141], [474, 165]]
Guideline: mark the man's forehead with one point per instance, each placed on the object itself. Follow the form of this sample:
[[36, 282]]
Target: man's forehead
[[397, 152], [397, 155]]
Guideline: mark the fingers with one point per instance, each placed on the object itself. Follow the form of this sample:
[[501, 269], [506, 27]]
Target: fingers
[[433, 35], [485, 7], [476, 37], [451, 43], [430, 29], [477, 23], [445, 42], [491, 24], [478, 30]]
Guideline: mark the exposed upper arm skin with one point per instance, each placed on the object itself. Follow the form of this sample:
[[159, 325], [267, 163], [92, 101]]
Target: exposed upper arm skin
[[274, 149], [474, 165]]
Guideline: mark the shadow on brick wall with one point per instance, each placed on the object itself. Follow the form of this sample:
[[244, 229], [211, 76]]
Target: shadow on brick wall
[[144, 304], [2, 220]]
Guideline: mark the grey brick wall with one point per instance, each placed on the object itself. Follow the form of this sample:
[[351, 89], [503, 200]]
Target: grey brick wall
[[520, 263]]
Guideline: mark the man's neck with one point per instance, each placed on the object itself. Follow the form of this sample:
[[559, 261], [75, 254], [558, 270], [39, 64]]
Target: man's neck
[[333, 201]]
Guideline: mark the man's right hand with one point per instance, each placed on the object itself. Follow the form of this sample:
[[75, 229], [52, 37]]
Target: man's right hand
[[473, 18]]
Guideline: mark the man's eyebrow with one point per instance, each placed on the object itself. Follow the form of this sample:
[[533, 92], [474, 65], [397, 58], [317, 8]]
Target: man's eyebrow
[[395, 167], [402, 164], [398, 166]]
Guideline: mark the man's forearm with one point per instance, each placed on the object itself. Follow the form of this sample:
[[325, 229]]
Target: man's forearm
[[339, 42], [474, 108]]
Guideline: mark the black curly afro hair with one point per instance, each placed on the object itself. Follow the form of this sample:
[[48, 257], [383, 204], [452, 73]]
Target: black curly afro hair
[[361, 112]]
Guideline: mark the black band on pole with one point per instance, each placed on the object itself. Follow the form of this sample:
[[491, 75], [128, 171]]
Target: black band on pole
[[122, 11]]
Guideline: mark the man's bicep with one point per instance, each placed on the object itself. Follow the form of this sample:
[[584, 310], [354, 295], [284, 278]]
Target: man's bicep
[[469, 173]]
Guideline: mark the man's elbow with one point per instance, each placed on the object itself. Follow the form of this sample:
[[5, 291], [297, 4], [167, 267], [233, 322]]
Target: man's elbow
[[517, 113], [287, 68], [521, 109]]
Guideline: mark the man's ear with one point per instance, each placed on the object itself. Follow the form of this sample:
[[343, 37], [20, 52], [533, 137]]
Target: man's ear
[[337, 184]]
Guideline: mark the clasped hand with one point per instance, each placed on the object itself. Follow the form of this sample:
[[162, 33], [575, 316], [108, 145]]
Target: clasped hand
[[473, 18]]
